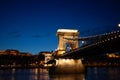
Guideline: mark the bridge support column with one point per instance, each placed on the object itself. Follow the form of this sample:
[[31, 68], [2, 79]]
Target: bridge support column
[[67, 66], [62, 34]]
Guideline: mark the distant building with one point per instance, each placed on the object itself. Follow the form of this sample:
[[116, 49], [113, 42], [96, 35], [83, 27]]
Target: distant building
[[113, 55], [24, 54], [12, 52], [48, 56], [2, 52]]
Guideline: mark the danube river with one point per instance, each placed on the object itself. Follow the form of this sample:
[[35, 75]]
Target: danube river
[[94, 73]]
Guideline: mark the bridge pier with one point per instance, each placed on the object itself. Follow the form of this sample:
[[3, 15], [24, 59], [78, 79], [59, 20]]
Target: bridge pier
[[67, 66]]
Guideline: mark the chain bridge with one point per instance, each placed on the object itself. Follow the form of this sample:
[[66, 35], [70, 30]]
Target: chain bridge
[[68, 57]]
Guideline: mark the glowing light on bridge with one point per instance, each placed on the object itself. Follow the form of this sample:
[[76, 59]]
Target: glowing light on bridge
[[67, 30], [83, 42], [119, 25], [69, 66]]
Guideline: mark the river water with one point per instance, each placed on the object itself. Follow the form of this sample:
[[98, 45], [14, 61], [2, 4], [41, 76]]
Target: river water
[[94, 73]]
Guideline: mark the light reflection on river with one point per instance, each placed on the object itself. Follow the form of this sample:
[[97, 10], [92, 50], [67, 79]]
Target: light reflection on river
[[103, 73]]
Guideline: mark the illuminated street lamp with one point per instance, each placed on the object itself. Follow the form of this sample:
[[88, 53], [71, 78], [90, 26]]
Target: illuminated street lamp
[[119, 25]]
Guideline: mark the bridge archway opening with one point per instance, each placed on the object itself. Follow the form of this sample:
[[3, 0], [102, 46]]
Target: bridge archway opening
[[65, 44], [68, 47]]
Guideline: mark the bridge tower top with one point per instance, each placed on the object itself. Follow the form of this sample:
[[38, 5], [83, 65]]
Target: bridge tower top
[[63, 43], [67, 30]]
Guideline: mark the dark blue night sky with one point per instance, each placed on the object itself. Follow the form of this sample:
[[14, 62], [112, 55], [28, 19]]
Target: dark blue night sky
[[31, 25]]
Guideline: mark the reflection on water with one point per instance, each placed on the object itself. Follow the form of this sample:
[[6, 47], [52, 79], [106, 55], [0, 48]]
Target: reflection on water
[[24, 74], [39, 74], [103, 73], [68, 77], [35, 74]]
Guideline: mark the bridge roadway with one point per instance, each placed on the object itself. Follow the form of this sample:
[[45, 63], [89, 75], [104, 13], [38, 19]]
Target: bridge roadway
[[105, 43]]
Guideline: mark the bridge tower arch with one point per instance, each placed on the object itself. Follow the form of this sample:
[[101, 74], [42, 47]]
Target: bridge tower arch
[[62, 35]]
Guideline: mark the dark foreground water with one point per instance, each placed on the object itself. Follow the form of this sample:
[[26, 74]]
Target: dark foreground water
[[101, 73]]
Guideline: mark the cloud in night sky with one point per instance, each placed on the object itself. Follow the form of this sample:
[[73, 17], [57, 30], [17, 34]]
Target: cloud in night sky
[[40, 35], [14, 34]]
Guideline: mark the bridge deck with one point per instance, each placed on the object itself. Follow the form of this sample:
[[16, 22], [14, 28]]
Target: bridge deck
[[107, 43]]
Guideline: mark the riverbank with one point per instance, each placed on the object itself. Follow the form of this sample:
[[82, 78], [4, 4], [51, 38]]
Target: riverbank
[[101, 64], [19, 67], [42, 67]]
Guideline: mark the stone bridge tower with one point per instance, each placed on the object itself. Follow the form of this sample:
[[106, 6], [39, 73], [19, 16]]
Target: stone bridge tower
[[64, 42]]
